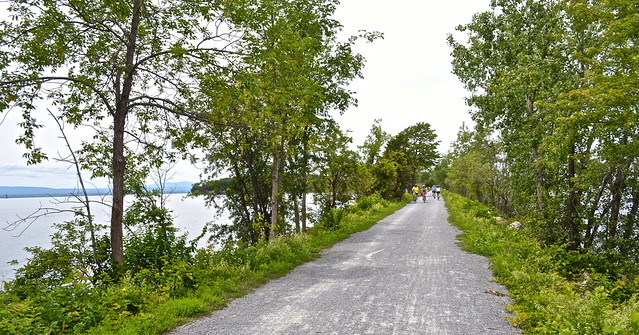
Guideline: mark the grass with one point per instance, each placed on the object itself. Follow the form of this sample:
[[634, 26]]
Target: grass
[[545, 300], [222, 277]]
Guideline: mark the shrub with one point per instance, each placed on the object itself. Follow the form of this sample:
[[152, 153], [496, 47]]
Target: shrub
[[554, 291]]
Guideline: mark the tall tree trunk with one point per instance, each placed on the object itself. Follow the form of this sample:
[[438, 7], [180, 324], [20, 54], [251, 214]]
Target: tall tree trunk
[[593, 222], [618, 186], [539, 183], [334, 192], [117, 208], [118, 160], [571, 213], [275, 190], [629, 227], [617, 189], [296, 210], [304, 209], [539, 180], [305, 169]]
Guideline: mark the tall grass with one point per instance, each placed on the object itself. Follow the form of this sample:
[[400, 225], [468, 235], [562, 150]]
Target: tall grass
[[154, 303], [550, 293]]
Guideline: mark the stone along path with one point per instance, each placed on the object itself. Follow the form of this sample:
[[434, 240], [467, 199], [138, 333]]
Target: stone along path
[[405, 275]]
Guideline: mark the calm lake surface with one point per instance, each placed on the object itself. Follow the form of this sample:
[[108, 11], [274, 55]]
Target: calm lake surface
[[190, 216]]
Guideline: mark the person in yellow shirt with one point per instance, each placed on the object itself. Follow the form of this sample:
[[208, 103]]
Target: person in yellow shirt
[[415, 191]]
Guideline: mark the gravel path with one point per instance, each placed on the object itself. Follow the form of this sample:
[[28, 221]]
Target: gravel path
[[405, 275]]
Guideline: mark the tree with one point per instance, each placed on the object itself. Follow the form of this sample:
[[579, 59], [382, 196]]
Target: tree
[[418, 144], [129, 66], [476, 168], [515, 58], [557, 82], [337, 179], [372, 147], [291, 73], [602, 122]]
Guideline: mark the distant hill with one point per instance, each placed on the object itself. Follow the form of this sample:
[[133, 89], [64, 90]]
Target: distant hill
[[181, 187], [31, 192]]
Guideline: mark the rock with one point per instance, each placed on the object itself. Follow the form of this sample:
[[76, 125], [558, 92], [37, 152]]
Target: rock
[[500, 220], [516, 225]]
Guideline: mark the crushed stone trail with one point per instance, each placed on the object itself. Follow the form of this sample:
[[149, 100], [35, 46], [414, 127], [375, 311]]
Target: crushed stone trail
[[405, 275]]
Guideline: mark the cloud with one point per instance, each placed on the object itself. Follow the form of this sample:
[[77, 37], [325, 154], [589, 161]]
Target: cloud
[[48, 174], [408, 75]]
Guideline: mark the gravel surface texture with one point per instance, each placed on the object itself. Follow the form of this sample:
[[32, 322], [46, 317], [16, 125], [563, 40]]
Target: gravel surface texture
[[405, 275]]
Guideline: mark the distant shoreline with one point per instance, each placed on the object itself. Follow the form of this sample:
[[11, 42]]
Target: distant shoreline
[[12, 192]]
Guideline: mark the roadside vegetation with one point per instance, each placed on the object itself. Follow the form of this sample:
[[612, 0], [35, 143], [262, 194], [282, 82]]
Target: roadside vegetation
[[247, 90], [250, 86], [152, 302], [553, 290], [555, 144]]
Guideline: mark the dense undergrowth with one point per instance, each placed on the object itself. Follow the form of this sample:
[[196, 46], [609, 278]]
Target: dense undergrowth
[[553, 291], [153, 302]]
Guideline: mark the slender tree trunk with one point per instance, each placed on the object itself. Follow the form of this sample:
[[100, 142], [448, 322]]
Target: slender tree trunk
[[244, 199], [275, 190], [334, 192], [539, 182], [296, 210], [617, 188], [571, 213], [305, 169], [118, 160], [304, 210], [630, 226], [593, 222], [117, 208]]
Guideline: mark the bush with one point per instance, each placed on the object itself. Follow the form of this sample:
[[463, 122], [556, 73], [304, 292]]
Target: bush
[[364, 203], [554, 291], [331, 219], [158, 294], [407, 197]]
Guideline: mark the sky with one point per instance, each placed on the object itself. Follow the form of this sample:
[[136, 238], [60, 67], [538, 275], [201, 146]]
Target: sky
[[407, 79]]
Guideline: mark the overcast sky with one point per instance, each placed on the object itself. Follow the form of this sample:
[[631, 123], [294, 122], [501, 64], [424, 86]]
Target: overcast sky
[[407, 79]]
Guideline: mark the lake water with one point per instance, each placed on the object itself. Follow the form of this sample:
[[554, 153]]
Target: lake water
[[190, 216]]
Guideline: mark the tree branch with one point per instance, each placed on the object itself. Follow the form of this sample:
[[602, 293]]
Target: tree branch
[[32, 81]]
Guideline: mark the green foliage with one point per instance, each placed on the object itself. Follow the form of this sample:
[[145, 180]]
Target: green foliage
[[339, 175], [554, 90], [414, 149], [408, 157], [553, 290], [166, 291], [386, 173], [290, 71], [371, 149], [153, 242], [218, 186], [331, 219], [71, 258], [365, 203]]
